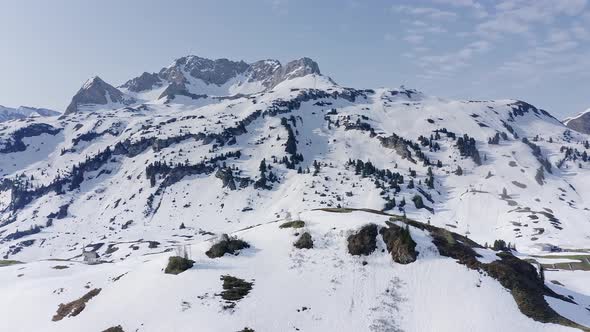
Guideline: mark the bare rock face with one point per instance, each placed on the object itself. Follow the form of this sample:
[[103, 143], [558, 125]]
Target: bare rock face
[[264, 71], [581, 123], [210, 71], [96, 92], [294, 69], [145, 81], [364, 242], [227, 177]]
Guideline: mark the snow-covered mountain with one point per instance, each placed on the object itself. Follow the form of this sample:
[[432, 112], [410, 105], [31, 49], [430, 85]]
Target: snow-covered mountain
[[21, 112], [580, 122], [170, 160]]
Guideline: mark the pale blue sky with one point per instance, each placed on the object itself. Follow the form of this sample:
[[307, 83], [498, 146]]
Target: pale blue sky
[[534, 50]]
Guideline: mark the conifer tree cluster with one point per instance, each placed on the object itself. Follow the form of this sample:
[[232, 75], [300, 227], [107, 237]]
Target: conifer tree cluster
[[467, 148], [291, 144], [264, 179], [429, 142]]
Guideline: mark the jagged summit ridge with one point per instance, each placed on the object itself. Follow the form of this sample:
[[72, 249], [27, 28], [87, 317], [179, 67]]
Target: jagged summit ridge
[[194, 77], [188, 72]]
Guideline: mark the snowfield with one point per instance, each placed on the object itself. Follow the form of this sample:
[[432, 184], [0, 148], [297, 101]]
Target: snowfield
[[340, 293], [179, 160]]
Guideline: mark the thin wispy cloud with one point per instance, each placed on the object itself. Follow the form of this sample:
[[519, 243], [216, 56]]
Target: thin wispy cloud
[[426, 12], [511, 40]]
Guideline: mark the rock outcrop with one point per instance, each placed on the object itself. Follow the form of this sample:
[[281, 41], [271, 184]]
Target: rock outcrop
[[364, 242], [304, 242], [226, 245], [399, 243]]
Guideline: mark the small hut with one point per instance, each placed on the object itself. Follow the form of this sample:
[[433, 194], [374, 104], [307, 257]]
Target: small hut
[[91, 257]]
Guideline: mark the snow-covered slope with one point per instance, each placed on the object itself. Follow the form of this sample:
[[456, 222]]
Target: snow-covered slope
[[319, 289], [206, 147]]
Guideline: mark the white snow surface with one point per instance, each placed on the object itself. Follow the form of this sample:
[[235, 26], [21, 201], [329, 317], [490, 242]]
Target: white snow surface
[[117, 206], [336, 290]]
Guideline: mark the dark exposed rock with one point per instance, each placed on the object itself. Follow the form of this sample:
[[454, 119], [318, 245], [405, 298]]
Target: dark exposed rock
[[304, 242], [234, 289], [364, 242], [75, 307], [400, 145], [177, 264], [399, 243], [226, 245], [227, 177], [117, 328]]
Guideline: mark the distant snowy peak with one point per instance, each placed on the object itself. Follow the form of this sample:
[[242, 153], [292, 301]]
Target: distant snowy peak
[[580, 122], [96, 92], [196, 76], [8, 113]]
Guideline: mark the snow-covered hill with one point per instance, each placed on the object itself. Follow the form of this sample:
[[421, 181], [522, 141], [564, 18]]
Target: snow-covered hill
[[205, 147]]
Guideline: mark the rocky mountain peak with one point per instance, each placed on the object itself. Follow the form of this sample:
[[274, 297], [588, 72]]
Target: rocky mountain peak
[[95, 91], [301, 67], [294, 69]]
